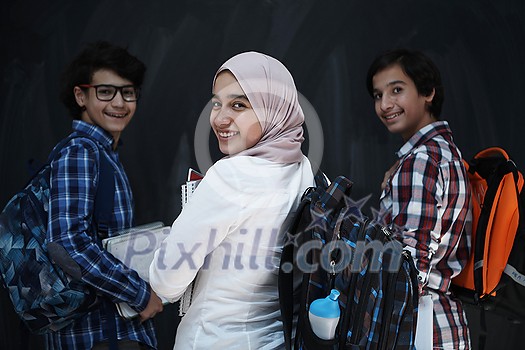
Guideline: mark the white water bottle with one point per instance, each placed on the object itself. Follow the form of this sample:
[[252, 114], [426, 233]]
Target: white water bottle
[[324, 315]]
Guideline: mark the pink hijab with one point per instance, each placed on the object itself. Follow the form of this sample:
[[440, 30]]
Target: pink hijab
[[271, 91]]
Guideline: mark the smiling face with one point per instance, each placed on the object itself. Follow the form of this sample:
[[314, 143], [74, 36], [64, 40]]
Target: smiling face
[[398, 104], [113, 116], [232, 117]]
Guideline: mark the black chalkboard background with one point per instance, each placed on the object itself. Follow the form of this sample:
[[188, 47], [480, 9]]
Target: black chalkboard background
[[479, 46]]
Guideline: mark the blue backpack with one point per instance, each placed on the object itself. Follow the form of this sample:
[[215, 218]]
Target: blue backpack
[[331, 245], [45, 296]]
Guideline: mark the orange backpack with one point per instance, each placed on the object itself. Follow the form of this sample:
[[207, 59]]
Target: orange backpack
[[495, 273]]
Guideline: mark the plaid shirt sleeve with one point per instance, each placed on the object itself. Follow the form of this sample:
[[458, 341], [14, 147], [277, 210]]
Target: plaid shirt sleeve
[[414, 203], [430, 203], [74, 181]]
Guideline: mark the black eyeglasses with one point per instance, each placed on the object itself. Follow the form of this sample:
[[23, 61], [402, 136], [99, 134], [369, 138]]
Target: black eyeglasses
[[106, 92]]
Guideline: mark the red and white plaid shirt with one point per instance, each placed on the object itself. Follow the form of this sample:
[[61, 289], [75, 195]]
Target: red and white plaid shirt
[[428, 199]]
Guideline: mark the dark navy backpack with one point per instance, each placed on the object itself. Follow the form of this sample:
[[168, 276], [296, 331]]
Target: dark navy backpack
[[44, 295], [331, 245]]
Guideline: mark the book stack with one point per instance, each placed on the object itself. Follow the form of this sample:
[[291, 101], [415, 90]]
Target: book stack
[[187, 189]]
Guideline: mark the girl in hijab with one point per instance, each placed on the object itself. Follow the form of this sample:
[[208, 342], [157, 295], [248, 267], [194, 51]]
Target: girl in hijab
[[228, 237]]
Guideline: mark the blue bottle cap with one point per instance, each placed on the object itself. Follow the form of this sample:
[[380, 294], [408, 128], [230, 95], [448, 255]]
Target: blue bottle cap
[[326, 307], [334, 294]]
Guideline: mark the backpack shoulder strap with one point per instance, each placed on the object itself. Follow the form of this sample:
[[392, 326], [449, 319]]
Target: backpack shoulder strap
[[287, 275], [104, 199]]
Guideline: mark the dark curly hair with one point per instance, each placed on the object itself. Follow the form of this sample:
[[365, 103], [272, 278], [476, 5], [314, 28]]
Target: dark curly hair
[[96, 56], [418, 67]]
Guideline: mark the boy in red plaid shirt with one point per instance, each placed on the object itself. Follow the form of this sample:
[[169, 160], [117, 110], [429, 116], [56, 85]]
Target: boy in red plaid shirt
[[425, 193]]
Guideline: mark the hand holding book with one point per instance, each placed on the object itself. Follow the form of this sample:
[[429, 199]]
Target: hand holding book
[[135, 247]]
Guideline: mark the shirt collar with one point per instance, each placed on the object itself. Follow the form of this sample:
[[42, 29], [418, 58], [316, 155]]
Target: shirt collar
[[95, 132], [424, 134]]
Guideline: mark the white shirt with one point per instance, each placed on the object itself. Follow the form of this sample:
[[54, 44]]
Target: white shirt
[[229, 234]]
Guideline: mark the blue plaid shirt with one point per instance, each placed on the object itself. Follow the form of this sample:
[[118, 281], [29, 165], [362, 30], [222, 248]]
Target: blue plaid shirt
[[74, 180]]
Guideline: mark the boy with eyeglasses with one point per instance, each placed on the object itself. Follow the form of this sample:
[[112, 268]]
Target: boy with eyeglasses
[[100, 88]]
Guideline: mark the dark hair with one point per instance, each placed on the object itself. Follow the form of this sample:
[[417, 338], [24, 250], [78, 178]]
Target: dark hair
[[418, 67], [96, 56]]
